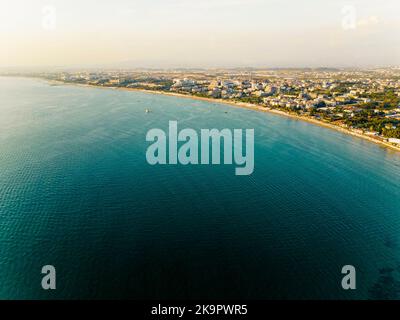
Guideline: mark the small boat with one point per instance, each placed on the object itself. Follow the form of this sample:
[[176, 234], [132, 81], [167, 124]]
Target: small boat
[[147, 111]]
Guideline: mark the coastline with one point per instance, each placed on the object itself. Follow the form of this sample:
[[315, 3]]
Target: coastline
[[248, 106]]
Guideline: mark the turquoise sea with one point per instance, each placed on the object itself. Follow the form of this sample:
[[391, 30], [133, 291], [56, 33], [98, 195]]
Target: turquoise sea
[[76, 192]]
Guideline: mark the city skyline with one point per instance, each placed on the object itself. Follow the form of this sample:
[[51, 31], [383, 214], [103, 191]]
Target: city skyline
[[193, 34]]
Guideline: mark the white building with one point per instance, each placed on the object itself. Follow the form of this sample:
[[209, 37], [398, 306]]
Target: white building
[[394, 140]]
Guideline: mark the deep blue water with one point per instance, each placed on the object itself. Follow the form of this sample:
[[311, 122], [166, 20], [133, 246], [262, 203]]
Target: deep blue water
[[76, 192]]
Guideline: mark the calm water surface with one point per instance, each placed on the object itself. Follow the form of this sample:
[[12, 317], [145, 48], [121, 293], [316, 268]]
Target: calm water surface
[[76, 192]]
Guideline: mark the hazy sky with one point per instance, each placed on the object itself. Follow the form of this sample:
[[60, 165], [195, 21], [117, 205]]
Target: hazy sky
[[199, 33]]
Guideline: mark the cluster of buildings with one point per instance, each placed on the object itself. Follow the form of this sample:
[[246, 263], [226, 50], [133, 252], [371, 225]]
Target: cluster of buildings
[[297, 94]]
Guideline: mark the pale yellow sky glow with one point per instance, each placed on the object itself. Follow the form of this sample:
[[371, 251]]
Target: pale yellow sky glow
[[207, 33]]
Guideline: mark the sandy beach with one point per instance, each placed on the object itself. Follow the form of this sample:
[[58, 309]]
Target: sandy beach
[[251, 107]]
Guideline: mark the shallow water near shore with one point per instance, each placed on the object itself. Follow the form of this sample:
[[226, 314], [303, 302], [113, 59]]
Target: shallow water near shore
[[76, 192]]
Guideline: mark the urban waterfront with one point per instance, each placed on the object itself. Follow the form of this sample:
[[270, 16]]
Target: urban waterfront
[[76, 192]]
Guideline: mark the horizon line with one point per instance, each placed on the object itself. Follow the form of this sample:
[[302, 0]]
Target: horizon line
[[113, 68]]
